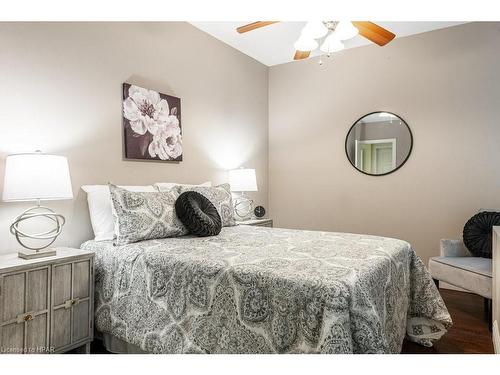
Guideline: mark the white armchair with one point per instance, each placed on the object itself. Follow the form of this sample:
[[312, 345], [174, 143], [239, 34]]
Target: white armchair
[[457, 266]]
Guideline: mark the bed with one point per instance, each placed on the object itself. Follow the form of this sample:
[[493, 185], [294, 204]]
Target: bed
[[266, 290]]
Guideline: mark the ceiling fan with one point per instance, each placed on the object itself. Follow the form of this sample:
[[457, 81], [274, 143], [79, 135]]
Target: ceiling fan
[[329, 35]]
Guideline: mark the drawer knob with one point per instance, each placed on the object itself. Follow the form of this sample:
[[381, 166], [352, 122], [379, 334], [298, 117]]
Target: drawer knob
[[28, 317], [71, 302]]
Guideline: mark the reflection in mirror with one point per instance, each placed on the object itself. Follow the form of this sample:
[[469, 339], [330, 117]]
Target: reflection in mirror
[[379, 143]]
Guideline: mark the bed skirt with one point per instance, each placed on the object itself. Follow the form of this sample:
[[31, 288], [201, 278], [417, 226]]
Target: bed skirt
[[117, 346]]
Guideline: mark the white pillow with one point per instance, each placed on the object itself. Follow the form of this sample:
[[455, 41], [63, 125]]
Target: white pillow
[[101, 215], [165, 186]]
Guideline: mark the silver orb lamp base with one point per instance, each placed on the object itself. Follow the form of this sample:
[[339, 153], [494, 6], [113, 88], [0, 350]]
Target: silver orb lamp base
[[243, 206], [29, 254], [50, 235]]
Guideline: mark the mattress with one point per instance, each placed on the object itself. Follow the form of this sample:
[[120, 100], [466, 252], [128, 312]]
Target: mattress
[[266, 290]]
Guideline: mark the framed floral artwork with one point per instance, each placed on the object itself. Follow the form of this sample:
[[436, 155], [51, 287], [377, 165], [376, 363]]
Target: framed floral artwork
[[152, 124]]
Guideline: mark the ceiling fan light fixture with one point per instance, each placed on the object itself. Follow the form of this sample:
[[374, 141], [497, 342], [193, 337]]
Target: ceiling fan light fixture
[[314, 30], [346, 30], [332, 44], [305, 43]]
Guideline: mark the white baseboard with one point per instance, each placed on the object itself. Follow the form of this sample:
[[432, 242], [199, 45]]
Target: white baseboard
[[496, 338]]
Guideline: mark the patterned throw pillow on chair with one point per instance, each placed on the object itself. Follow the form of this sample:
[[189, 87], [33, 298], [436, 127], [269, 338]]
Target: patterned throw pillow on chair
[[143, 216], [219, 196], [477, 233]]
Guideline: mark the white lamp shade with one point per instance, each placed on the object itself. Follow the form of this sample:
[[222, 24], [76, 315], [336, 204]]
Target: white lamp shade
[[30, 177], [243, 180], [346, 30], [305, 43], [332, 44], [314, 30]]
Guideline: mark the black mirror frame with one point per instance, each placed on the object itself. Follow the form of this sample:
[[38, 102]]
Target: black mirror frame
[[399, 166]]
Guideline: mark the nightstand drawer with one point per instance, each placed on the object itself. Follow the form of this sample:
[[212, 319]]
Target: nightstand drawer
[[37, 338], [13, 288], [12, 338], [46, 304], [61, 332], [71, 303], [24, 304], [81, 319]]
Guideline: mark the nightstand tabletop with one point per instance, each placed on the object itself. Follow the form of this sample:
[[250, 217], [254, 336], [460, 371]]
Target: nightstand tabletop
[[11, 262], [256, 222]]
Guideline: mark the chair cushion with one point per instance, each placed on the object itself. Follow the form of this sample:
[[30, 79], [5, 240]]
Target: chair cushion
[[471, 273], [198, 214], [481, 266]]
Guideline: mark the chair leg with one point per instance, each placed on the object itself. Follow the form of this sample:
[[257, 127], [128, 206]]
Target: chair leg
[[436, 281], [490, 323], [488, 313]]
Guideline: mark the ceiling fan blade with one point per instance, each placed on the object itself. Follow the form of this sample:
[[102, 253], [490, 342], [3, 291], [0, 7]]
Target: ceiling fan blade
[[253, 26], [300, 55], [374, 32]]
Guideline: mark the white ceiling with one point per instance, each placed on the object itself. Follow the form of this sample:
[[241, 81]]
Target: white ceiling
[[273, 44]]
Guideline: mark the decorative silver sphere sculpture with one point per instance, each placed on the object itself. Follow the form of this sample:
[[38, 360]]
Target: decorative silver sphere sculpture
[[242, 206], [38, 212]]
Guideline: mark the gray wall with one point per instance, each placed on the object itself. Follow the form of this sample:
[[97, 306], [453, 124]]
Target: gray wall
[[61, 92], [445, 84]]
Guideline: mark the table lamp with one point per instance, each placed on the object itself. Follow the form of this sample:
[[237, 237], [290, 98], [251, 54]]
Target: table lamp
[[37, 177], [243, 180]]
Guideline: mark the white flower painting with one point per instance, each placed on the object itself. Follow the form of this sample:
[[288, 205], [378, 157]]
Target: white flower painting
[[152, 124]]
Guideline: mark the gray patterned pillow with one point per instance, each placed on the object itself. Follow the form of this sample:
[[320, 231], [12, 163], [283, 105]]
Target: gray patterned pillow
[[221, 198], [144, 215]]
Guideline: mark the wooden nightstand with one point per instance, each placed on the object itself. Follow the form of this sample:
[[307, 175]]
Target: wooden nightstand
[[257, 222], [47, 304]]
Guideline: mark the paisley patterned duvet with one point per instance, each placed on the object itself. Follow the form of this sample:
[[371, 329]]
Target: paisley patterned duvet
[[264, 290]]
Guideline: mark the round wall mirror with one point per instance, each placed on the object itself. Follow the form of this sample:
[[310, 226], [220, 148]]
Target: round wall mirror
[[378, 143]]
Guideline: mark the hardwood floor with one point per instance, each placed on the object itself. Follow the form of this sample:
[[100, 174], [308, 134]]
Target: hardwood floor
[[469, 333]]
